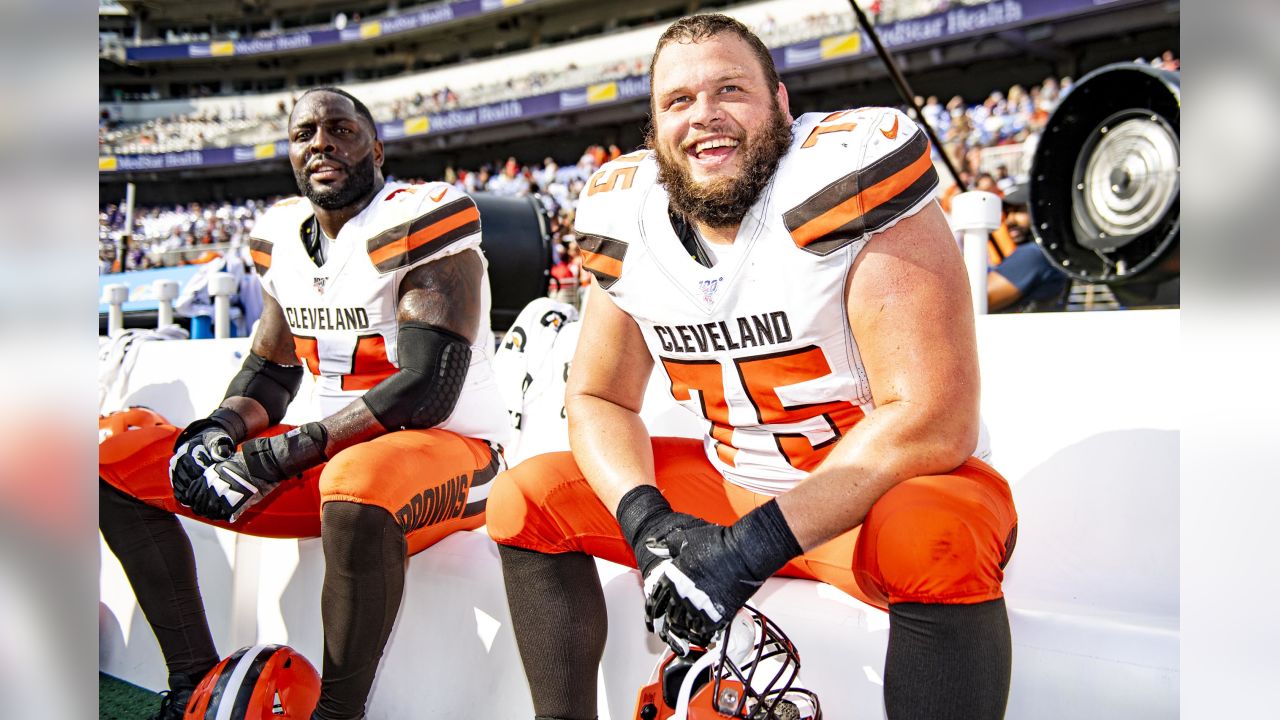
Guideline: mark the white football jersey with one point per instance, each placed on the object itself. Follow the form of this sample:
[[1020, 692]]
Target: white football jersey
[[343, 313], [760, 345]]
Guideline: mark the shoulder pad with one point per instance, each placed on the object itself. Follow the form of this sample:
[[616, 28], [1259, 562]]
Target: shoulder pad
[[852, 174], [413, 200], [430, 217], [284, 211], [281, 221], [607, 213], [615, 190]]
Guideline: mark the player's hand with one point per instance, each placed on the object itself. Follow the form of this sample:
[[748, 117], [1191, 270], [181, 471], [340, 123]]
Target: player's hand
[[200, 446], [697, 588], [226, 489], [711, 571], [230, 487], [661, 529]]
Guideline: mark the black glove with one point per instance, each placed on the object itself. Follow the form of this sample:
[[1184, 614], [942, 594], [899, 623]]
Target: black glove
[[645, 515], [230, 487], [201, 444], [711, 572]]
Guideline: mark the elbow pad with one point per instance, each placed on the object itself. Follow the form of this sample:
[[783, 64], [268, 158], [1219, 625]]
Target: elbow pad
[[433, 367], [273, 386]]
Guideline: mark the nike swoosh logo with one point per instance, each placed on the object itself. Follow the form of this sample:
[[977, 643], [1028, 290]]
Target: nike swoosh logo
[[437, 196], [892, 132]]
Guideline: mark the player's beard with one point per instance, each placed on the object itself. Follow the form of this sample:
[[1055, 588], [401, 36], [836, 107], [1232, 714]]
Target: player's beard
[[360, 177], [723, 202]]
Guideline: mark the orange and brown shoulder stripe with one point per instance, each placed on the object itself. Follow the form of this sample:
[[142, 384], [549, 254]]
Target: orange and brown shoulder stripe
[[865, 200], [426, 235], [260, 252], [602, 257]]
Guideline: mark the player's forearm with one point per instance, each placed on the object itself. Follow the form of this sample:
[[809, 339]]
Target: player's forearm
[[611, 446], [349, 426], [894, 443]]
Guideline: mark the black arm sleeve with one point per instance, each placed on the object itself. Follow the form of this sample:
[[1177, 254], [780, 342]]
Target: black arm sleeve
[[433, 367], [273, 386]]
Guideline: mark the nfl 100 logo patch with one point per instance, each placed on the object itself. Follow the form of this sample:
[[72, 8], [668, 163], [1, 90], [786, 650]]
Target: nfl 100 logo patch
[[709, 288], [318, 284]]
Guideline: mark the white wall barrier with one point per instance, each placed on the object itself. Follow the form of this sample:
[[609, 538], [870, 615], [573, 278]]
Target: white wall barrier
[[1083, 420]]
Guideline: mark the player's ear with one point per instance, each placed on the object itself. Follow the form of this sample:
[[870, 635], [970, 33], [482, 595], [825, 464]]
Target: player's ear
[[377, 153], [784, 103]]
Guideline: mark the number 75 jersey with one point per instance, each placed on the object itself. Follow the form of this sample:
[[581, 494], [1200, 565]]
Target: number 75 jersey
[[760, 345], [342, 314]]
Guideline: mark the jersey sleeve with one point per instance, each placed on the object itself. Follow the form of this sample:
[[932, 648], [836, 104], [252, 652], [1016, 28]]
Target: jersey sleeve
[[608, 212], [443, 221], [881, 172], [270, 228]]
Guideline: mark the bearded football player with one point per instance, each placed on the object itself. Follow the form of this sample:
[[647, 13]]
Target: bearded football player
[[379, 290], [800, 290]]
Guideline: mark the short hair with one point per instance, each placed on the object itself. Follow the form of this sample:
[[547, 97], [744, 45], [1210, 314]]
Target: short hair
[[361, 109], [696, 28]]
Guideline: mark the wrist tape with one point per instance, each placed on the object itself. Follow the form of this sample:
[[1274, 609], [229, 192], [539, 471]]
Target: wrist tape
[[284, 456], [763, 540]]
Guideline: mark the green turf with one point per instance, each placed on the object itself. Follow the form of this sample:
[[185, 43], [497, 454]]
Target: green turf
[[119, 700]]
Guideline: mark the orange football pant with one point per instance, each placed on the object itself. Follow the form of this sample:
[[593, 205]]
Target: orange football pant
[[934, 539], [433, 482]]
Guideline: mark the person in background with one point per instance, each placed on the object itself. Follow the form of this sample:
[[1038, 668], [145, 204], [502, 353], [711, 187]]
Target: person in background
[[1025, 280]]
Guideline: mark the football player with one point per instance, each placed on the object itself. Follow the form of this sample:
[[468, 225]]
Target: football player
[[380, 290], [800, 290]]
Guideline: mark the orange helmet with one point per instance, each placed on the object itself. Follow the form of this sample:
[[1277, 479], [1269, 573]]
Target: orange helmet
[[263, 682], [751, 671], [124, 432]]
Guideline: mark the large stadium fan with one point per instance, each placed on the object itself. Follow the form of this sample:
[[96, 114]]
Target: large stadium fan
[[517, 243], [1105, 181]]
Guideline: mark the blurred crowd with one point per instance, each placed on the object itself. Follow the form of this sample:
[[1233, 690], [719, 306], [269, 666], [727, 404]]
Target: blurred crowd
[[195, 233], [881, 11], [990, 143], [235, 126], [214, 127], [169, 236], [998, 135]]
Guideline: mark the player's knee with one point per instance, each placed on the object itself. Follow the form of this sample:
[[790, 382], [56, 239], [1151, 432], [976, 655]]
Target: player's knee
[[937, 552], [355, 472], [517, 500]]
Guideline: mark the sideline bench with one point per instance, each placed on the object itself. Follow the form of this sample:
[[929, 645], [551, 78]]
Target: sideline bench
[[1082, 410]]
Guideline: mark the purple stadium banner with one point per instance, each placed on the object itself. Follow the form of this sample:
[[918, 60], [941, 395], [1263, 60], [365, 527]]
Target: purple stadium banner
[[305, 39], [958, 22], [955, 23]]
